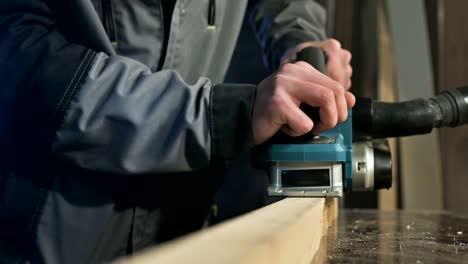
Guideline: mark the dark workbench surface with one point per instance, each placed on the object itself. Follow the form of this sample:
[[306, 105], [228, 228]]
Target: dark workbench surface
[[371, 236]]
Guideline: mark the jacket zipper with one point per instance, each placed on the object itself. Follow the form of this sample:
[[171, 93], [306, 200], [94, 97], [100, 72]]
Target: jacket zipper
[[108, 21], [162, 59], [212, 14]]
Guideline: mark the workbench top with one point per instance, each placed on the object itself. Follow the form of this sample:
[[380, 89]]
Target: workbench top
[[371, 236]]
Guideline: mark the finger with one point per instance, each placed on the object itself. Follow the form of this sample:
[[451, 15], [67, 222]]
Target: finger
[[331, 46], [338, 91], [348, 85], [349, 71], [338, 65], [339, 96], [322, 97], [350, 99], [334, 51], [342, 108], [340, 73], [311, 74], [346, 57], [322, 125], [337, 72], [298, 123], [348, 75]]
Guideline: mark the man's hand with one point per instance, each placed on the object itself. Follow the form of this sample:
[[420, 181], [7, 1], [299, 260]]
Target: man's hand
[[338, 64], [279, 96]]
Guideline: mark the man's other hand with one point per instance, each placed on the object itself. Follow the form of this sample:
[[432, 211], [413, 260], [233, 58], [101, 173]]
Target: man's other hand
[[280, 95], [338, 63]]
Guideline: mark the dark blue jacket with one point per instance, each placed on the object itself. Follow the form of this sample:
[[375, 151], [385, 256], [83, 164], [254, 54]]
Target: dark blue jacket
[[107, 145]]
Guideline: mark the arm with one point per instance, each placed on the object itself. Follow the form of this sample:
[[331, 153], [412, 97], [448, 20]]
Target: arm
[[281, 24], [110, 113], [113, 115], [128, 120]]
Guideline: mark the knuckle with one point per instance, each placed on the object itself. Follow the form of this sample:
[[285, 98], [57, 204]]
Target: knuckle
[[302, 64], [339, 93], [349, 71], [277, 99], [339, 89], [334, 44], [287, 67], [306, 66], [330, 122], [333, 74], [347, 55], [278, 81], [340, 86], [327, 96]]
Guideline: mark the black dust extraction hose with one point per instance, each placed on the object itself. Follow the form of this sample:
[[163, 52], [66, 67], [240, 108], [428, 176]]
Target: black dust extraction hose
[[374, 119]]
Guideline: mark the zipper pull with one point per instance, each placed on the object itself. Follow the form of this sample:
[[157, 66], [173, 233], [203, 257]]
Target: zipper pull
[[108, 21], [212, 15]]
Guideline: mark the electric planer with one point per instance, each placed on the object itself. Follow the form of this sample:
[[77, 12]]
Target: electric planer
[[355, 155]]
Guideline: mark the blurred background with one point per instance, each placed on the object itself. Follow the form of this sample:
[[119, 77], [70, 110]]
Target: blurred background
[[401, 50]]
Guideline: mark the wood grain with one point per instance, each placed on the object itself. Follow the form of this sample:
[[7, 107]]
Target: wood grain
[[288, 231]]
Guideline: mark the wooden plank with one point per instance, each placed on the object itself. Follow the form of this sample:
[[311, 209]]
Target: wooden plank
[[288, 231]]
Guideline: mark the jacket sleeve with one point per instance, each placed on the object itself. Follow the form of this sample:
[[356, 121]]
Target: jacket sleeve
[[282, 24], [112, 114]]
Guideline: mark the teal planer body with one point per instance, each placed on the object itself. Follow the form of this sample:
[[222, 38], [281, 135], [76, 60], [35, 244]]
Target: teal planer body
[[312, 166]]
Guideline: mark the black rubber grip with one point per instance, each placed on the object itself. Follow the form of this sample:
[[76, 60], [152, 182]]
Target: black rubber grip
[[315, 57]]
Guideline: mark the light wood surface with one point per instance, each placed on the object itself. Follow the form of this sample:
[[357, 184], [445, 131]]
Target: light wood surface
[[288, 231]]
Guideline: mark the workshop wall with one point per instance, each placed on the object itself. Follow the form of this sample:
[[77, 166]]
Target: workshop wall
[[449, 39]]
